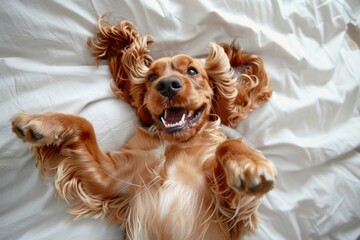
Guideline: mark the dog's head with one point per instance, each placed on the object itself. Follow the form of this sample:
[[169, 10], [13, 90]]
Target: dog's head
[[179, 94]]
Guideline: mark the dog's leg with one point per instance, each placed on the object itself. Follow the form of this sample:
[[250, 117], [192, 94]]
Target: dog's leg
[[242, 177], [66, 146]]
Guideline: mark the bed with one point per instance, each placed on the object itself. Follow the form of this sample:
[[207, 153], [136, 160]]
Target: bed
[[310, 128]]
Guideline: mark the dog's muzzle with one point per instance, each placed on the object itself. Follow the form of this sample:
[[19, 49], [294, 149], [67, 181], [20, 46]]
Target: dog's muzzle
[[169, 86]]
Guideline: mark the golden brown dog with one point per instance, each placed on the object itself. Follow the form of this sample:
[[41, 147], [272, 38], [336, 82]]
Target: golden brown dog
[[179, 177]]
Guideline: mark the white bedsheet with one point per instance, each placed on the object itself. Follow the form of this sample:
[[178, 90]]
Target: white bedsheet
[[310, 128]]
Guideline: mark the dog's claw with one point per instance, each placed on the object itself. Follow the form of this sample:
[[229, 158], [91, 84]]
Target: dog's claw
[[20, 131], [36, 135], [240, 185], [270, 182], [255, 187]]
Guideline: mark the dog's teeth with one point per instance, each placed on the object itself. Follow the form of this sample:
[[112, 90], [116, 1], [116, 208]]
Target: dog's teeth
[[179, 123], [165, 113], [163, 121], [190, 113], [182, 121]]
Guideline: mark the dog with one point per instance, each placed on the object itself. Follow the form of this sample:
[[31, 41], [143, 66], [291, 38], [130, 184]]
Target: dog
[[178, 177]]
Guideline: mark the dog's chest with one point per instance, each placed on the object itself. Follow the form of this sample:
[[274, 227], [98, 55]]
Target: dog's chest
[[180, 196], [183, 165]]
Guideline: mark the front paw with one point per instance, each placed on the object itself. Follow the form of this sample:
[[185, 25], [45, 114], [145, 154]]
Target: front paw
[[39, 129], [246, 170], [246, 175]]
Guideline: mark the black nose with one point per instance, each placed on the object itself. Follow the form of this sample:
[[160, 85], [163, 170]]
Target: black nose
[[169, 86]]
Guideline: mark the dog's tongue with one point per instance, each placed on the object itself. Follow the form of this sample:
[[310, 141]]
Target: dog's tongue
[[174, 115]]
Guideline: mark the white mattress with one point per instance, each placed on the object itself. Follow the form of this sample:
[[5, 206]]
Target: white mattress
[[310, 128]]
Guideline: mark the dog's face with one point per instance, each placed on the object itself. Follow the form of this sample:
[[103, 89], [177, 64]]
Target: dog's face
[[178, 96]]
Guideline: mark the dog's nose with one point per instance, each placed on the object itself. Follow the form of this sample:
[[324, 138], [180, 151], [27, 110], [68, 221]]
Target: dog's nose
[[169, 86]]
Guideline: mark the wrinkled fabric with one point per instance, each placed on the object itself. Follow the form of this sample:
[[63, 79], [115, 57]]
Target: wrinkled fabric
[[310, 128]]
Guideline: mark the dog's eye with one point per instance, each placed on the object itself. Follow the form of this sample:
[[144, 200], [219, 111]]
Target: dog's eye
[[152, 77], [192, 71]]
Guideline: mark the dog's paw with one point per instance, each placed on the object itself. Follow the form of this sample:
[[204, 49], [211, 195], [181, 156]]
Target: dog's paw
[[39, 129], [247, 175]]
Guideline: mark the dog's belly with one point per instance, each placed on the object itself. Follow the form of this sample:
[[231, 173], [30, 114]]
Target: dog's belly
[[179, 206]]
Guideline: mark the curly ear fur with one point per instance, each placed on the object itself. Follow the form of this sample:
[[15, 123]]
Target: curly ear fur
[[235, 97], [127, 53]]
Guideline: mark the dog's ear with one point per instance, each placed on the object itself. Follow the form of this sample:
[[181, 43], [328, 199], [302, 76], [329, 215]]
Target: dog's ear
[[235, 96], [127, 53]]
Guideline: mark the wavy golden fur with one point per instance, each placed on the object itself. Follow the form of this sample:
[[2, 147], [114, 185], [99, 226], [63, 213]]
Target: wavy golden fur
[[178, 177]]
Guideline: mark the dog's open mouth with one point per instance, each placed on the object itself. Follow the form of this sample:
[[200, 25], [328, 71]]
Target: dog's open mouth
[[176, 118]]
